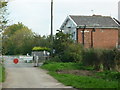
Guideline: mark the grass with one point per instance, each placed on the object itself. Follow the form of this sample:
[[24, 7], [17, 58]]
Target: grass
[[54, 66], [109, 75], [83, 81], [2, 73], [78, 81]]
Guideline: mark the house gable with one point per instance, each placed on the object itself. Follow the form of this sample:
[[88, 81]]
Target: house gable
[[69, 26], [68, 23]]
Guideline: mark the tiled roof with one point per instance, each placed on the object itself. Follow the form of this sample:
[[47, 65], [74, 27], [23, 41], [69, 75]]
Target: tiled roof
[[95, 21]]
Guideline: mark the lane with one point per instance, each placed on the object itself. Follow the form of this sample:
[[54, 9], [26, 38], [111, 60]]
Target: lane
[[24, 75]]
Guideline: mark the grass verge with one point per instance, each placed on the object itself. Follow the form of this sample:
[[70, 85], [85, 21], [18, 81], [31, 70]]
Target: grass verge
[[75, 80], [2, 73], [54, 66]]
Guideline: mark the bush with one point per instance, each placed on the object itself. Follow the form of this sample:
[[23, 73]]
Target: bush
[[52, 60], [108, 57], [101, 58], [92, 57], [117, 59], [40, 49], [73, 53], [89, 57]]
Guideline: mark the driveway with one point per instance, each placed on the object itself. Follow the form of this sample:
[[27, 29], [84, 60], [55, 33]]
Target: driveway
[[24, 75]]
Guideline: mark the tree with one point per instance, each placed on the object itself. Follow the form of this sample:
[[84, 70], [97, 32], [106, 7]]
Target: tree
[[61, 41], [17, 39], [3, 20], [3, 14], [9, 31], [42, 41]]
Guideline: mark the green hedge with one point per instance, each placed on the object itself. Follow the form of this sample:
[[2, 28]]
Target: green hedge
[[41, 49]]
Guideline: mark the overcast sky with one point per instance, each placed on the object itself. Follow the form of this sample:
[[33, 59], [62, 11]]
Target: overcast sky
[[36, 13]]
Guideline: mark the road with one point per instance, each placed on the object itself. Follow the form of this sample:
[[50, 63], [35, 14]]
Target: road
[[24, 75]]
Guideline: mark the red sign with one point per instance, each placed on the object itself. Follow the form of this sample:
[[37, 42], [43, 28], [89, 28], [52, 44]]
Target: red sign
[[15, 60]]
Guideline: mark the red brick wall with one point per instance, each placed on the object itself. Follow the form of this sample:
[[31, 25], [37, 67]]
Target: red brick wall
[[102, 38]]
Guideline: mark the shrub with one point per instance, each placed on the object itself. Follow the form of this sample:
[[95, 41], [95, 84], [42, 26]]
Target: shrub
[[108, 57], [40, 49], [100, 58], [53, 59], [92, 57], [73, 53], [117, 59]]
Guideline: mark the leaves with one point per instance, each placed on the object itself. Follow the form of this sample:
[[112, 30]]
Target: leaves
[[17, 39], [41, 49]]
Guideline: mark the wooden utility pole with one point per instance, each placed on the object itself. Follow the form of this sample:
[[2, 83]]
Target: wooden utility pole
[[51, 35], [51, 20]]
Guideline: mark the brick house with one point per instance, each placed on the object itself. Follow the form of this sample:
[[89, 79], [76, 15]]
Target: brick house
[[93, 31]]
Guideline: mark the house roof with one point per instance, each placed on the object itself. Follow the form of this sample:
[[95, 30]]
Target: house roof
[[95, 21]]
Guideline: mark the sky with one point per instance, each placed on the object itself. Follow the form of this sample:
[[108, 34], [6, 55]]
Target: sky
[[35, 14]]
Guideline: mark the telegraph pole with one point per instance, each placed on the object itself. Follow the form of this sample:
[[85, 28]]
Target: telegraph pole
[[51, 20], [51, 35]]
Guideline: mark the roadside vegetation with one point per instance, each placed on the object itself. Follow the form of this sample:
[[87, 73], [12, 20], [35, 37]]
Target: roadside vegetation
[[2, 73], [79, 67], [3, 22], [80, 76], [70, 63], [18, 39]]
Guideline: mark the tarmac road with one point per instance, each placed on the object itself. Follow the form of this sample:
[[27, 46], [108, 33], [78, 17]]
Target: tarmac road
[[24, 75]]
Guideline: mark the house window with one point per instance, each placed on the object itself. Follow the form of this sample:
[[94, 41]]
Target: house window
[[73, 35]]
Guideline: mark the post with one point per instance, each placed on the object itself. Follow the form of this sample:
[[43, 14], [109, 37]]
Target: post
[[52, 20], [51, 36]]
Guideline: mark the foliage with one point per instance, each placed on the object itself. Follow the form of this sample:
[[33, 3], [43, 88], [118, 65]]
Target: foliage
[[42, 41], [75, 80], [17, 39], [61, 42], [66, 49], [108, 57], [101, 59], [10, 31], [55, 66], [83, 81], [3, 4], [40, 49], [3, 14], [92, 57], [52, 59], [2, 73], [73, 53], [109, 75]]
